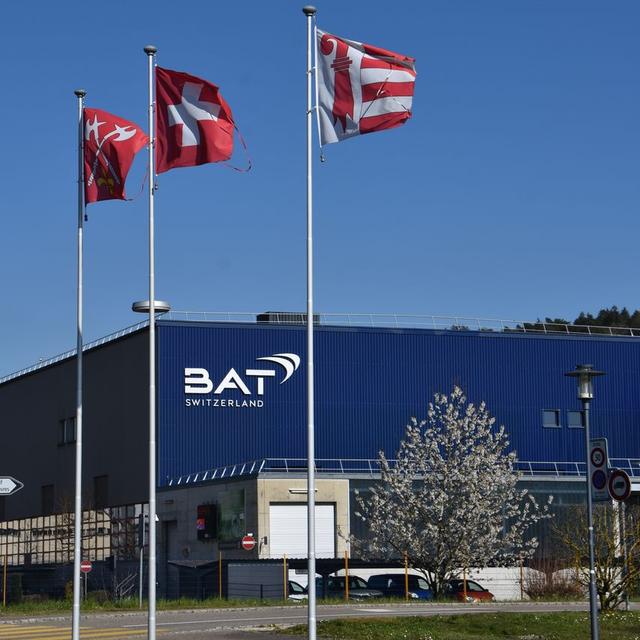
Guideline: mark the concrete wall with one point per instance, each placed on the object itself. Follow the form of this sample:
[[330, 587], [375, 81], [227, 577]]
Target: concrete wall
[[272, 490], [177, 509]]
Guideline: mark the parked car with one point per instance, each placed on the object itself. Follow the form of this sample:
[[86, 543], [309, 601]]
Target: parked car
[[297, 591], [358, 589], [393, 585], [475, 592]]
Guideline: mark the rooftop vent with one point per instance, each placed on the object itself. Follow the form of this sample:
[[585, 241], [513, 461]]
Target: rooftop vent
[[285, 317]]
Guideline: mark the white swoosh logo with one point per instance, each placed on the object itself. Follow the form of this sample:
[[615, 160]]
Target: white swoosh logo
[[290, 362]]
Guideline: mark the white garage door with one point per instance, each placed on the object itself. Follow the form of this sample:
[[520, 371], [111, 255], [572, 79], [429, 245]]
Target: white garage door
[[288, 525]]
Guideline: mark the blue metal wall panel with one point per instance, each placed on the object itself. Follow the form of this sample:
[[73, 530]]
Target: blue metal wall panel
[[369, 382]]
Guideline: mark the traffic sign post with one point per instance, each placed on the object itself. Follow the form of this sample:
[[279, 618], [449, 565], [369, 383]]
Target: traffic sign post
[[85, 568], [619, 485], [248, 542], [9, 485], [599, 469]]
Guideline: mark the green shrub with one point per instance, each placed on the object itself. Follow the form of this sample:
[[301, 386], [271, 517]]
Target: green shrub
[[99, 596]]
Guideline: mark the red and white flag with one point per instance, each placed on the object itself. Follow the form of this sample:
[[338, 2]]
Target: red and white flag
[[194, 123], [361, 88], [110, 144]]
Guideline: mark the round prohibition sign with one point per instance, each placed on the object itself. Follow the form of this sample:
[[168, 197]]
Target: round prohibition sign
[[619, 485], [597, 457], [248, 542]]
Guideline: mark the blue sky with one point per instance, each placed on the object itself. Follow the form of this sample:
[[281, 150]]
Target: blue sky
[[513, 192]]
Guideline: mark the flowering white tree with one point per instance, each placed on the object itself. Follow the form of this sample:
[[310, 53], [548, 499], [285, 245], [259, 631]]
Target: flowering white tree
[[450, 498]]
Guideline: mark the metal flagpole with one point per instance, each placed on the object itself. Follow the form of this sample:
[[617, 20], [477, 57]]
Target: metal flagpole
[[310, 12], [77, 529], [151, 52]]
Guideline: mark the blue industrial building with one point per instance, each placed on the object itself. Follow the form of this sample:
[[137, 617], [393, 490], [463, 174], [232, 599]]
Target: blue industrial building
[[370, 381], [231, 425]]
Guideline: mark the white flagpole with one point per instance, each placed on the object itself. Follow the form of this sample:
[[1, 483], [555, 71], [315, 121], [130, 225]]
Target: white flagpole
[[77, 528], [151, 52], [310, 12]]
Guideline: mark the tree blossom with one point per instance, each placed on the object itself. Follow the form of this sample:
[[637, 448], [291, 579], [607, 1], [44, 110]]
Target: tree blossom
[[450, 499]]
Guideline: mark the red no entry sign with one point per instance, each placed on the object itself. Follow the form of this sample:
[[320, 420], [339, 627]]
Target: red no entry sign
[[248, 542], [619, 485], [86, 566]]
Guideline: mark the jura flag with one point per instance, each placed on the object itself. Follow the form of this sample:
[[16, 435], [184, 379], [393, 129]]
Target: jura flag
[[110, 144], [361, 88], [194, 123]]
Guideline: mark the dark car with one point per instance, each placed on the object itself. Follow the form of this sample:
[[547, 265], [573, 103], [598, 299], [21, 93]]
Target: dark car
[[358, 589], [393, 585], [475, 592]]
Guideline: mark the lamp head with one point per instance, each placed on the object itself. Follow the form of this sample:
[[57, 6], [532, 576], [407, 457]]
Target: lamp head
[[585, 373]]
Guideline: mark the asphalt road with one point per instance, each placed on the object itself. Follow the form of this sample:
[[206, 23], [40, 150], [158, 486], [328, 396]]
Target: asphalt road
[[240, 624]]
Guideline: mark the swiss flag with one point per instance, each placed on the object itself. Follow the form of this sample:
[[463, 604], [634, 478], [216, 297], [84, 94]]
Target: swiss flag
[[110, 144], [194, 123]]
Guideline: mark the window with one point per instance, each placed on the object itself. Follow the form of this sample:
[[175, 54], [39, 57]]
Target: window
[[575, 419], [294, 587], [46, 494], [67, 431], [378, 582], [101, 491], [551, 418]]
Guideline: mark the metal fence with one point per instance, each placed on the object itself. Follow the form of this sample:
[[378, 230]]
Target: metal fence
[[370, 320], [371, 468]]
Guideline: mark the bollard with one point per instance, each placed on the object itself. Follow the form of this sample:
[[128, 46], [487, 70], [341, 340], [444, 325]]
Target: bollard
[[4, 581], [285, 577], [346, 576], [521, 580], [464, 584], [406, 576]]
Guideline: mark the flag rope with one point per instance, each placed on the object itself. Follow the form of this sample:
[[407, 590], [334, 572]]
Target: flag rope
[[246, 153], [315, 77], [382, 91], [144, 181]]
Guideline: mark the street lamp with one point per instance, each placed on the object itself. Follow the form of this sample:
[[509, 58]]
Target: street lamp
[[585, 374]]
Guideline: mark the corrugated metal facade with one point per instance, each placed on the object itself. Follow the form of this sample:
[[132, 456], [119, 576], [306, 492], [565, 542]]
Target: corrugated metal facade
[[369, 382]]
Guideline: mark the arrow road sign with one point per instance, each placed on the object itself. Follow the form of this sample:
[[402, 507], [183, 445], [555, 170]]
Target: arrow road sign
[[9, 485]]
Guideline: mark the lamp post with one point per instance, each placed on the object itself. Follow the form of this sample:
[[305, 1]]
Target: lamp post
[[585, 374], [151, 306]]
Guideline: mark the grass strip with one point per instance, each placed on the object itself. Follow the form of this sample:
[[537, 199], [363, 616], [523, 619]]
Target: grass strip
[[480, 626], [47, 607]]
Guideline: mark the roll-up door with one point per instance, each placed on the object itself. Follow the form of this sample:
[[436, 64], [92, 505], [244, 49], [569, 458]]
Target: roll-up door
[[288, 528]]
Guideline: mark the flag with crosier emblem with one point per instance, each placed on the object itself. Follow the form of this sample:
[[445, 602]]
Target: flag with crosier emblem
[[194, 123], [361, 88], [110, 144]]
